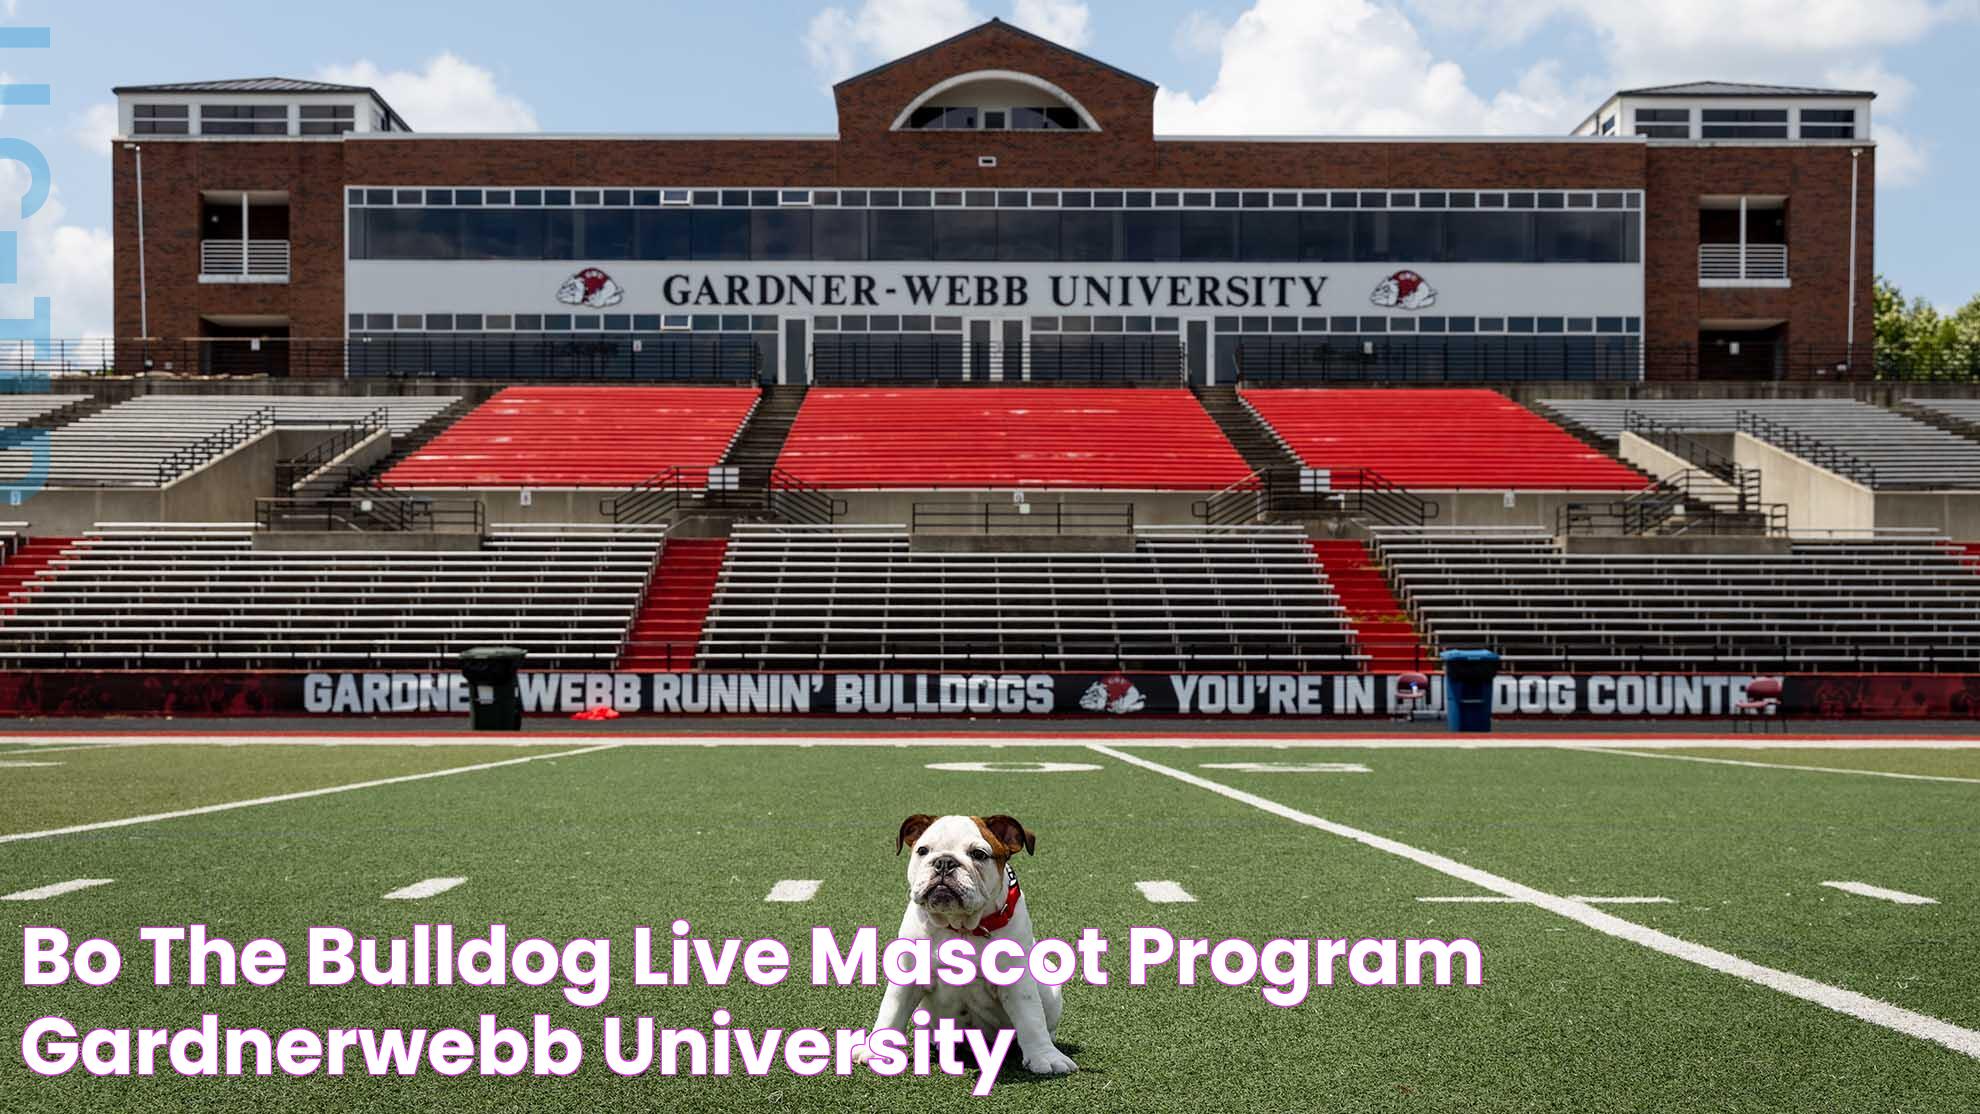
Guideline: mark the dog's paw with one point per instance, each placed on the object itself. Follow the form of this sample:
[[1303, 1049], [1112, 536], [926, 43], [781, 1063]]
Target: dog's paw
[[1050, 1062], [860, 1055]]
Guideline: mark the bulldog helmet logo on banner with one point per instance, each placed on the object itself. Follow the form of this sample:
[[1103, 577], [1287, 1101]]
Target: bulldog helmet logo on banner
[[1403, 290], [1114, 693], [591, 287]]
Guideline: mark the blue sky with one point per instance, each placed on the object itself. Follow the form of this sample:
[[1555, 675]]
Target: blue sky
[[763, 66]]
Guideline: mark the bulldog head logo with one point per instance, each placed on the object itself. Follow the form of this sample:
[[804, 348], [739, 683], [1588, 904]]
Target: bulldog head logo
[[1114, 693], [590, 287], [1403, 290]]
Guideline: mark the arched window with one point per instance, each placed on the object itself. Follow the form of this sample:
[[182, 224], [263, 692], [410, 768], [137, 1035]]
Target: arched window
[[995, 100]]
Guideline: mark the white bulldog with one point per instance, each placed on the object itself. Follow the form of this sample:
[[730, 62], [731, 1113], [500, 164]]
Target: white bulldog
[[961, 886]]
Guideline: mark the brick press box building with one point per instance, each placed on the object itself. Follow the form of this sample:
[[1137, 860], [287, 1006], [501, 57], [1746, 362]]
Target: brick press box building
[[995, 208]]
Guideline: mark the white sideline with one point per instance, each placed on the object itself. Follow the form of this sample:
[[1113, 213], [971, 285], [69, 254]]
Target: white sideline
[[1597, 749], [1164, 893], [429, 888], [1594, 740], [1865, 889], [1849, 1002], [794, 889], [1495, 899], [57, 889], [7, 765], [279, 798]]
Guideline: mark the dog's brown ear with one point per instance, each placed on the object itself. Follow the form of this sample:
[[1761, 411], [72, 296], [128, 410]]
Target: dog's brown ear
[[1011, 834], [911, 830]]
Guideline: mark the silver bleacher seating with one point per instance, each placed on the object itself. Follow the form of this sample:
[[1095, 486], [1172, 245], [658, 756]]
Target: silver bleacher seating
[[1187, 598], [1908, 605]]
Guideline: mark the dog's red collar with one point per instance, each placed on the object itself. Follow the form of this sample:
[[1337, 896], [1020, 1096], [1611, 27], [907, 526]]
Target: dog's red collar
[[1002, 917]]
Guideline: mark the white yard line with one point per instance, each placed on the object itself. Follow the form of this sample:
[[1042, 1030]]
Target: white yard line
[[428, 888], [57, 889], [1598, 749], [53, 748], [1164, 893], [1495, 899], [1848, 1002], [1865, 889], [794, 890], [1008, 741], [280, 798], [9, 765]]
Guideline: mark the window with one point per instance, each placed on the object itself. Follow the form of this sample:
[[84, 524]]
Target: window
[[1027, 235], [1828, 123], [838, 234], [1151, 237], [502, 234], [661, 234], [1326, 237], [1488, 237], [1268, 236], [1581, 236], [161, 119], [901, 233], [965, 233], [1209, 236], [244, 119], [328, 119], [1086, 237], [608, 234], [1744, 123], [720, 234], [780, 234]]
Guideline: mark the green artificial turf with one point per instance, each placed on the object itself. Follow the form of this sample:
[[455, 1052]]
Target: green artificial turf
[[1569, 1019]]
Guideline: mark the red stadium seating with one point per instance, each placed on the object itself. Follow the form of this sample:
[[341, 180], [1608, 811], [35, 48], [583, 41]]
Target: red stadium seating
[[608, 437], [1438, 439], [1137, 439]]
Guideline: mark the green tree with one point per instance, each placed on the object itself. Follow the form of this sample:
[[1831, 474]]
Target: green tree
[[1914, 337]]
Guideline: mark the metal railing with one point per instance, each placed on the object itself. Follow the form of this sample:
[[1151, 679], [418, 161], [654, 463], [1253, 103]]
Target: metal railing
[[1304, 492], [1677, 442], [1018, 518], [244, 258], [1811, 449], [372, 513], [1429, 358], [238, 432], [1689, 501], [674, 489], [1731, 264], [353, 433]]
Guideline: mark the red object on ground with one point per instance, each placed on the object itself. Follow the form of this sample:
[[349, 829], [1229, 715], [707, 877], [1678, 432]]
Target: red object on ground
[[17, 576], [1385, 633], [668, 625], [1970, 553], [1438, 439], [607, 437], [1119, 438]]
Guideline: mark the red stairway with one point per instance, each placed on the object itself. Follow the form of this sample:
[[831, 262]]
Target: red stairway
[[17, 575], [668, 625], [1380, 625], [1969, 553]]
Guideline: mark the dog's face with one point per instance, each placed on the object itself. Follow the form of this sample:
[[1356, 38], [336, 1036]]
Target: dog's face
[[956, 863]]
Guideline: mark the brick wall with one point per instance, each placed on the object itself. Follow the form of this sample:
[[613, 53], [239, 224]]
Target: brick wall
[[1124, 153]]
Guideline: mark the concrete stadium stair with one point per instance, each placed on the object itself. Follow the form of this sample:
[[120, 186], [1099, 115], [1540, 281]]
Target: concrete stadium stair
[[668, 625], [1381, 625]]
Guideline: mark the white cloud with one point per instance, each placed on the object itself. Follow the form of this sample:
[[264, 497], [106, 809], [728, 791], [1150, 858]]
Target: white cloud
[[69, 264], [1901, 160], [96, 127], [1066, 22], [841, 43], [1199, 33], [1352, 67], [450, 95]]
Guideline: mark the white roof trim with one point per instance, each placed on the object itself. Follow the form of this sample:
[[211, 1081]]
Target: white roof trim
[[1038, 83]]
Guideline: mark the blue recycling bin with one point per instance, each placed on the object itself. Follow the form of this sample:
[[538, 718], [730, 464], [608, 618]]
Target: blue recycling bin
[[1468, 677]]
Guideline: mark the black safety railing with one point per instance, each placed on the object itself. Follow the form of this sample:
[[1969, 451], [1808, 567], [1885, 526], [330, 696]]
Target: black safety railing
[[348, 436], [1812, 449], [238, 432], [1690, 501], [1022, 518], [675, 489], [1301, 492], [372, 513]]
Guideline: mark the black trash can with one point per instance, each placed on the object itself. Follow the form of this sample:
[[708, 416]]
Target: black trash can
[[494, 699], [1468, 677]]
